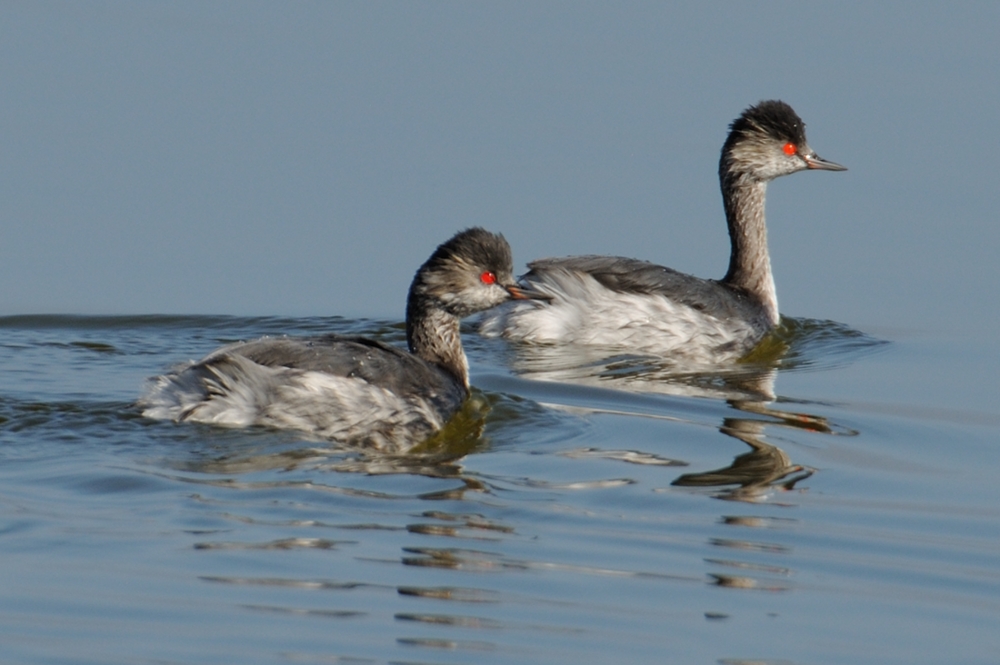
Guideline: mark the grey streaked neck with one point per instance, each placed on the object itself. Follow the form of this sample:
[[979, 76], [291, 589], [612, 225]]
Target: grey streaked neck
[[749, 262], [434, 336]]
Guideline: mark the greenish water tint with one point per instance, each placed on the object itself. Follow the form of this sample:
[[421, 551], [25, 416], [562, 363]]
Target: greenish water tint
[[831, 500]]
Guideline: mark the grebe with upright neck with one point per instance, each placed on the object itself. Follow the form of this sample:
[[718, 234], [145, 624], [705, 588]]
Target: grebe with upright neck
[[350, 388], [641, 307]]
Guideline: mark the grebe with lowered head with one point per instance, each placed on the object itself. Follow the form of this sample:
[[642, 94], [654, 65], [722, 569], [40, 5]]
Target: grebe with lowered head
[[632, 304], [350, 388]]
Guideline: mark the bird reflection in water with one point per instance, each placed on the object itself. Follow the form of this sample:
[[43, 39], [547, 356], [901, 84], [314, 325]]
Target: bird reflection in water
[[747, 387], [762, 470], [267, 450]]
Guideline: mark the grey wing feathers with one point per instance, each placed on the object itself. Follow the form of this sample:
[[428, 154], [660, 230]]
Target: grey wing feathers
[[357, 357], [626, 275]]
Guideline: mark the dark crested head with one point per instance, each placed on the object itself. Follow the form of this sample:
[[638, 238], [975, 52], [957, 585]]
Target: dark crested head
[[472, 247], [769, 140], [470, 272], [774, 119]]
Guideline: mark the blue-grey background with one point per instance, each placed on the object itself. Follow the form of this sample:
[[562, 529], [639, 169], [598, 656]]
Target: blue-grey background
[[305, 158], [287, 162]]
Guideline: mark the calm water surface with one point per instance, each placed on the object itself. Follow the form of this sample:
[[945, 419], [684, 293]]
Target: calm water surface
[[835, 502]]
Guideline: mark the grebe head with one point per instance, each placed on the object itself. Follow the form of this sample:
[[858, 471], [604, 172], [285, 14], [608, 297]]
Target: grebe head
[[471, 272], [767, 141]]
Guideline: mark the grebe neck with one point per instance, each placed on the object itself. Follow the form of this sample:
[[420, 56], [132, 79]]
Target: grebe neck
[[749, 261], [434, 335]]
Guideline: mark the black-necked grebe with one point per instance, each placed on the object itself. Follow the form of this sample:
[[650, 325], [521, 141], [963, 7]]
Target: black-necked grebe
[[354, 389], [628, 303]]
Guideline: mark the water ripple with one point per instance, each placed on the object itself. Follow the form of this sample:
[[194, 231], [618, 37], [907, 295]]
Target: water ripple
[[456, 594], [282, 544]]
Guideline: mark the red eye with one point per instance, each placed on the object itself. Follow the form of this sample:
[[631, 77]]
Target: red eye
[[488, 277], [790, 149]]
